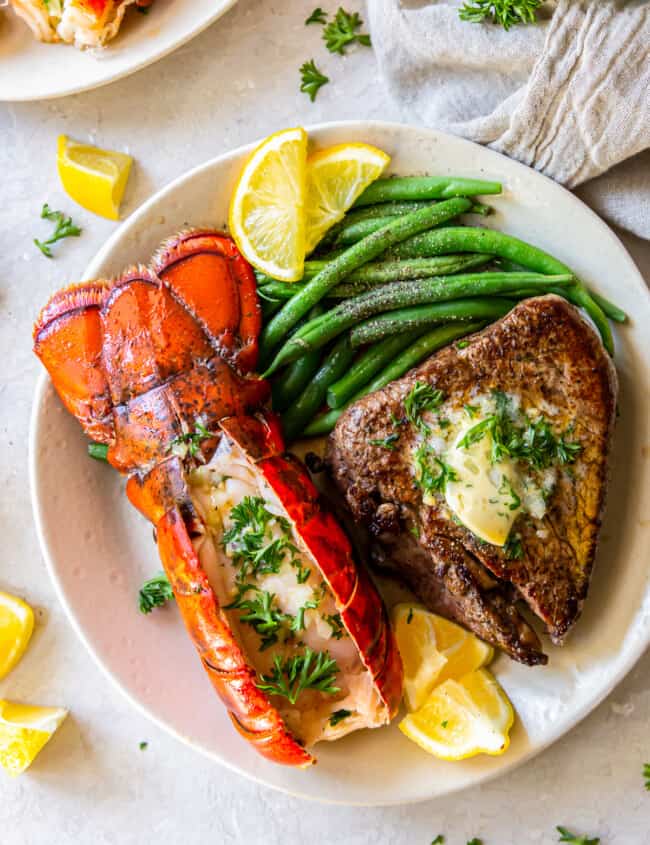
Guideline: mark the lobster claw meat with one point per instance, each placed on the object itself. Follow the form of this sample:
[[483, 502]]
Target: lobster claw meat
[[158, 364]]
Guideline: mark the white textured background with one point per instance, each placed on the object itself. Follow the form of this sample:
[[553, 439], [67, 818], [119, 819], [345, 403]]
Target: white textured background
[[92, 784]]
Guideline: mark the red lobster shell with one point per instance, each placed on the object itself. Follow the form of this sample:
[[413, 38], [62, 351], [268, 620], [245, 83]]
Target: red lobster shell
[[139, 361]]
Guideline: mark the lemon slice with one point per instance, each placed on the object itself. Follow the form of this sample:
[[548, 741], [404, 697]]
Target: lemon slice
[[422, 661], [94, 178], [267, 209], [336, 177], [462, 718], [463, 651], [16, 626], [24, 730]]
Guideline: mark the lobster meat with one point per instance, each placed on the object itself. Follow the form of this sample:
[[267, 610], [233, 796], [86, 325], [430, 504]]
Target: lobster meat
[[159, 364]]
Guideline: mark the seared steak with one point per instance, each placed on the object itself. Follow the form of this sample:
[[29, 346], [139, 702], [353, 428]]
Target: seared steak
[[544, 363]]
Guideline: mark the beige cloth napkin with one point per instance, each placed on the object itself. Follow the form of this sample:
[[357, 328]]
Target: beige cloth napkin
[[570, 96]]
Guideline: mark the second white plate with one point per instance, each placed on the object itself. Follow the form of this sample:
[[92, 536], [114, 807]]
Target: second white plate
[[99, 550]]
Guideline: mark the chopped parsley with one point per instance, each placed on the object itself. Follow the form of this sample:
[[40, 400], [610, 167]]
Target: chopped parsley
[[310, 670], [312, 80], [439, 840], [422, 397], [260, 613], [250, 542], [433, 473], [143, 745], [189, 444], [155, 593], [463, 344], [513, 548], [336, 624], [504, 12], [338, 716], [342, 31], [533, 443], [298, 623], [475, 841], [572, 839], [506, 489], [445, 723], [646, 775], [387, 442], [317, 16], [64, 228]]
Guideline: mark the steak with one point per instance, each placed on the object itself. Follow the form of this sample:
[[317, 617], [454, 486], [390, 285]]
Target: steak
[[551, 364]]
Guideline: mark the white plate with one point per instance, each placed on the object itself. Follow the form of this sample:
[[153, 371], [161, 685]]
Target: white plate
[[99, 550], [30, 70]]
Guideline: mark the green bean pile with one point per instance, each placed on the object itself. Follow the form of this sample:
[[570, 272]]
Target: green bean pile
[[398, 278]]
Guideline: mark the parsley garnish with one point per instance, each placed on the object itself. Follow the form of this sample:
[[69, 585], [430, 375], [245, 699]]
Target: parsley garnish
[[471, 410], [250, 540], [513, 548], [336, 624], [463, 344], [427, 462], [646, 775], [317, 16], [298, 623], [387, 442], [343, 31], [338, 716], [506, 489], [154, 593], [504, 12], [422, 397], [64, 228], [572, 839], [439, 840], [475, 841], [534, 443], [310, 670], [311, 79], [143, 745], [260, 613], [444, 724], [190, 443]]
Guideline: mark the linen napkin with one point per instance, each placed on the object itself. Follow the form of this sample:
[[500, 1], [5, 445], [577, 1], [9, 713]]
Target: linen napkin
[[569, 96]]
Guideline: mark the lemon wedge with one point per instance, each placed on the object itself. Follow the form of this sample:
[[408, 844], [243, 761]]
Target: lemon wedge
[[336, 177], [433, 650], [462, 718], [16, 626], [422, 661], [267, 209], [94, 178], [24, 730]]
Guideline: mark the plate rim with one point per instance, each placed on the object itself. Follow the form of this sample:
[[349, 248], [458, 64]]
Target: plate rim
[[635, 651], [197, 29]]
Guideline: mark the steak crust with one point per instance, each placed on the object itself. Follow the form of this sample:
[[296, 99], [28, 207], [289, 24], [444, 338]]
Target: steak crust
[[547, 354]]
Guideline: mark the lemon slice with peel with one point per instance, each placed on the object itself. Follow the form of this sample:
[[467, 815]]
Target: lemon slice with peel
[[421, 659], [16, 626], [24, 730], [267, 209], [336, 177], [463, 651], [94, 178], [463, 718]]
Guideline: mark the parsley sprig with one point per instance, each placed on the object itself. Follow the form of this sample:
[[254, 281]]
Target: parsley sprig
[[504, 12], [572, 839], [259, 612], [386, 442], [342, 31], [310, 670], [64, 228], [154, 593], [250, 541], [312, 80], [533, 443], [189, 444], [317, 16]]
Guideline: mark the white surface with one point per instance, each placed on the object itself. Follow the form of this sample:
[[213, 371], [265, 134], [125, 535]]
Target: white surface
[[92, 784], [31, 70], [548, 700]]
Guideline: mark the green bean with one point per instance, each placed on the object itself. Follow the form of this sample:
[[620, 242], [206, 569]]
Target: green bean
[[381, 272], [423, 316], [409, 358], [387, 209], [389, 297], [313, 396], [98, 451], [337, 270], [270, 307], [466, 238], [609, 308], [366, 366], [424, 187], [290, 384]]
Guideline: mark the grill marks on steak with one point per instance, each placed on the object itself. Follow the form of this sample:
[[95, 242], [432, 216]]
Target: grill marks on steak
[[544, 352]]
